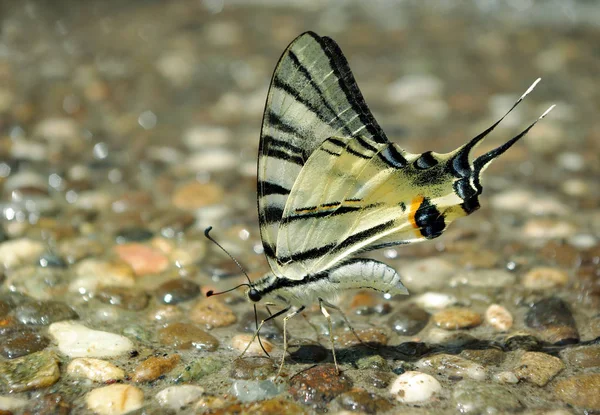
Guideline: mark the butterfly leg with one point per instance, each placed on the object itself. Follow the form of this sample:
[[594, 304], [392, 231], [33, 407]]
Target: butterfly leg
[[339, 310], [272, 316], [285, 345], [328, 317]]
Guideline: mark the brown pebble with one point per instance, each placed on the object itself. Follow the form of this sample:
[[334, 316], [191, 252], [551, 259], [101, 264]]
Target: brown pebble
[[498, 317], [371, 336], [153, 367], [143, 259], [319, 385], [538, 368], [194, 195], [456, 318], [187, 336], [213, 314], [543, 278], [240, 342], [276, 406], [580, 391]]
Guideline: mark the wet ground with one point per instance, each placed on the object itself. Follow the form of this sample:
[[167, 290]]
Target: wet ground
[[127, 128]]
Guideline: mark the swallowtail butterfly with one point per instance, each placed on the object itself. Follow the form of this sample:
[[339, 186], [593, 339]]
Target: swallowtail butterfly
[[331, 185]]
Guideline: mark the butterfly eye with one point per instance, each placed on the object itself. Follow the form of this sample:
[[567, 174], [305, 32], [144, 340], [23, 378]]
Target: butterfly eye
[[254, 295]]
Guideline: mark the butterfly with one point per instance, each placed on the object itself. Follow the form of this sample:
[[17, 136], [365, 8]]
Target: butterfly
[[331, 186]]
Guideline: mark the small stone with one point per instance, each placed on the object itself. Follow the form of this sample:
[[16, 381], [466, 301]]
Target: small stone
[[52, 404], [545, 278], [472, 397], [114, 399], [553, 318], [196, 370], [212, 314], [10, 403], [95, 273], [154, 367], [548, 229], [177, 291], [318, 385], [375, 362], [43, 312], [37, 282], [370, 336], [488, 278], [126, 298], [413, 387], [187, 336], [198, 137], [584, 357], [455, 367], [409, 320], [427, 274], [522, 341], [276, 406], [142, 259], [167, 313], [240, 342], [538, 368], [449, 338], [178, 397], [360, 400], [212, 160], [17, 342], [35, 371], [485, 357], [580, 391], [415, 87], [498, 317], [77, 340], [195, 195], [257, 368], [435, 301], [456, 318], [506, 377], [95, 370], [16, 252], [256, 390]]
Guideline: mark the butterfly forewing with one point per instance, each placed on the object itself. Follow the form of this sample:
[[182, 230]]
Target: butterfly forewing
[[313, 96]]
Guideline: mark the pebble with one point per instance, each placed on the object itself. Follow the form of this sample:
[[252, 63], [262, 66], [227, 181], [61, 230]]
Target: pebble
[[256, 390], [154, 367], [435, 301], [143, 259], [427, 274], [94, 273], [485, 357], [198, 137], [37, 282], [548, 229], [17, 252], [10, 403], [472, 397], [506, 377], [212, 160], [456, 318], [584, 357], [196, 370], [409, 320], [177, 291], [195, 195], [52, 404], [212, 314], [178, 397], [449, 338], [19, 341], [257, 368], [43, 313], [187, 336], [580, 391], [522, 341], [166, 313], [538, 368], [96, 370], [371, 336], [545, 278], [77, 340], [275, 406], [512, 200], [363, 401], [553, 318], [455, 367], [411, 88], [498, 317], [414, 387], [34, 371], [125, 298], [114, 399], [375, 362], [485, 278], [240, 342], [318, 385]]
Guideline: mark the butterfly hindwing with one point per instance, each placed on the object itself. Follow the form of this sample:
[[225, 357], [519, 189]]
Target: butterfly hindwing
[[312, 96]]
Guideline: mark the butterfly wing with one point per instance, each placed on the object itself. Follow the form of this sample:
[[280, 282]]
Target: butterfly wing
[[312, 96]]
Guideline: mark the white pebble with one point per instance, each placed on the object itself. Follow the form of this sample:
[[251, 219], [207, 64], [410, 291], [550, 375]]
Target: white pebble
[[177, 397], [583, 241], [427, 274], [212, 160], [198, 138], [489, 278], [454, 366], [498, 317], [544, 278], [19, 251], [413, 386], [114, 399], [512, 200], [95, 370], [240, 342], [411, 88], [435, 301], [77, 340], [10, 403], [506, 377], [548, 229]]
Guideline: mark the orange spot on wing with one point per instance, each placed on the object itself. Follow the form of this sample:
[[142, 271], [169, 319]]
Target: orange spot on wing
[[414, 205]]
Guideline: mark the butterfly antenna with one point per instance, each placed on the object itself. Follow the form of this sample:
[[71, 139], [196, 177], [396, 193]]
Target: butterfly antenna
[[211, 293]]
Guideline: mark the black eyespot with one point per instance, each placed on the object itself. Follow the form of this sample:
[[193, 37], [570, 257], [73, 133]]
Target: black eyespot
[[254, 295]]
